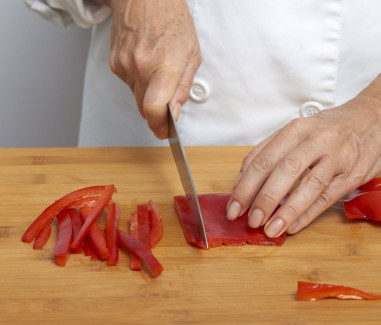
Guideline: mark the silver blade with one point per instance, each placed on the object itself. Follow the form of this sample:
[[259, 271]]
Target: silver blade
[[185, 175]]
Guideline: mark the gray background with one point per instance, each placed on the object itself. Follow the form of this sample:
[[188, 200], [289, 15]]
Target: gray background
[[41, 79]]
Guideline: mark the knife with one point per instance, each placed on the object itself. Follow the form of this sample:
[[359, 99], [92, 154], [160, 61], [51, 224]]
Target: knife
[[185, 175]]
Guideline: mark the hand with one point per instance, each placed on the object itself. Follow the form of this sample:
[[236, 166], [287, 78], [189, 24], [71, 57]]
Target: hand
[[323, 158], [155, 50]]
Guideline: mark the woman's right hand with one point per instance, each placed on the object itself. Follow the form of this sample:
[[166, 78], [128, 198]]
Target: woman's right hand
[[155, 50]]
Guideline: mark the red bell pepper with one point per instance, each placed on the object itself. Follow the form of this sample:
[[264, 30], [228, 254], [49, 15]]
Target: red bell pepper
[[131, 244], [95, 235], [314, 291], [365, 205], [47, 216], [94, 214], [77, 225], [42, 237], [84, 202], [136, 262], [219, 230], [155, 223], [373, 185], [65, 235], [113, 216]]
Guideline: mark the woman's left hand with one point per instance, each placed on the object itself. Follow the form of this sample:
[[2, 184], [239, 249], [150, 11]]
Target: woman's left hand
[[328, 155]]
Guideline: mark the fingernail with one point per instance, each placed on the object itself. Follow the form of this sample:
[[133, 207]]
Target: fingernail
[[293, 227], [275, 228], [177, 110], [256, 218], [233, 211]]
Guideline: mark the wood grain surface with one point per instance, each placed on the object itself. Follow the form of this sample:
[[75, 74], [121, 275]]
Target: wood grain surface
[[227, 285]]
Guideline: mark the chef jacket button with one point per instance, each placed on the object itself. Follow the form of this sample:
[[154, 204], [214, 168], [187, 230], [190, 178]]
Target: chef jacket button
[[199, 91], [310, 109]]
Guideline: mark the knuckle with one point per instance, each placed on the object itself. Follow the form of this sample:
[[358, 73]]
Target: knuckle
[[291, 210], [291, 165], [317, 182], [113, 63], [262, 163], [268, 197], [324, 199]]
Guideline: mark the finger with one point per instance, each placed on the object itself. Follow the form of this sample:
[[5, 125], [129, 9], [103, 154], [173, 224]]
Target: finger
[[258, 171], [160, 89], [139, 92], [181, 94], [282, 179], [334, 192], [247, 160], [302, 198]]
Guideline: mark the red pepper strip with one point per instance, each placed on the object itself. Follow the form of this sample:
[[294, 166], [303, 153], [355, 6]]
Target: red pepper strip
[[136, 262], [84, 202], [364, 206], [94, 214], [42, 237], [77, 225], [96, 236], [373, 185], [87, 251], [313, 291], [47, 216], [133, 245], [113, 216], [156, 224], [143, 224], [65, 235]]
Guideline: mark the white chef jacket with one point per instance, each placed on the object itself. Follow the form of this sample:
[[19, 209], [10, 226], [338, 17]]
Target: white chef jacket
[[264, 64]]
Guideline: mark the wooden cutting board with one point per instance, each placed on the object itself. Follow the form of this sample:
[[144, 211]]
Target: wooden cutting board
[[227, 285]]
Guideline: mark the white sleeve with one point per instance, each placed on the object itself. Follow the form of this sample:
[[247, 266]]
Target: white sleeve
[[65, 13]]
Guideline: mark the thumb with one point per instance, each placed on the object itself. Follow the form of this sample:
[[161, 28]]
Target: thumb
[[160, 90]]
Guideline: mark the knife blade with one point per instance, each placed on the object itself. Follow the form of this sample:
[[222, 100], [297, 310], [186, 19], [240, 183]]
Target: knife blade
[[185, 175]]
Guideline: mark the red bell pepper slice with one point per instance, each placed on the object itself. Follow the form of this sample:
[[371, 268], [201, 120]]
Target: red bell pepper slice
[[373, 185], [136, 262], [95, 235], [314, 291], [77, 225], [155, 223], [42, 237], [365, 205], [113, 216], [219, 230], [47, 216], [94, 214], [65, 235], [143, 224], [84, 202], [134, 245]]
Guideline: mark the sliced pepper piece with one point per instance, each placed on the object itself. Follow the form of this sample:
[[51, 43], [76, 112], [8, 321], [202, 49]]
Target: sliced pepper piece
[[95, 235], [84, 202], [47, 216], [364, 206], [65, 235], [136, 263], [219, 230], [143, 224], [133, 245], [42, 237], [77, 225], [113, 216], [314, 291], [155, 223], [94, 214], [373, 185]]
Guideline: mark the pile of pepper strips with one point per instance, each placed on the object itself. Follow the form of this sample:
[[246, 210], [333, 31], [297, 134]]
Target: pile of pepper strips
[[77, 213]]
